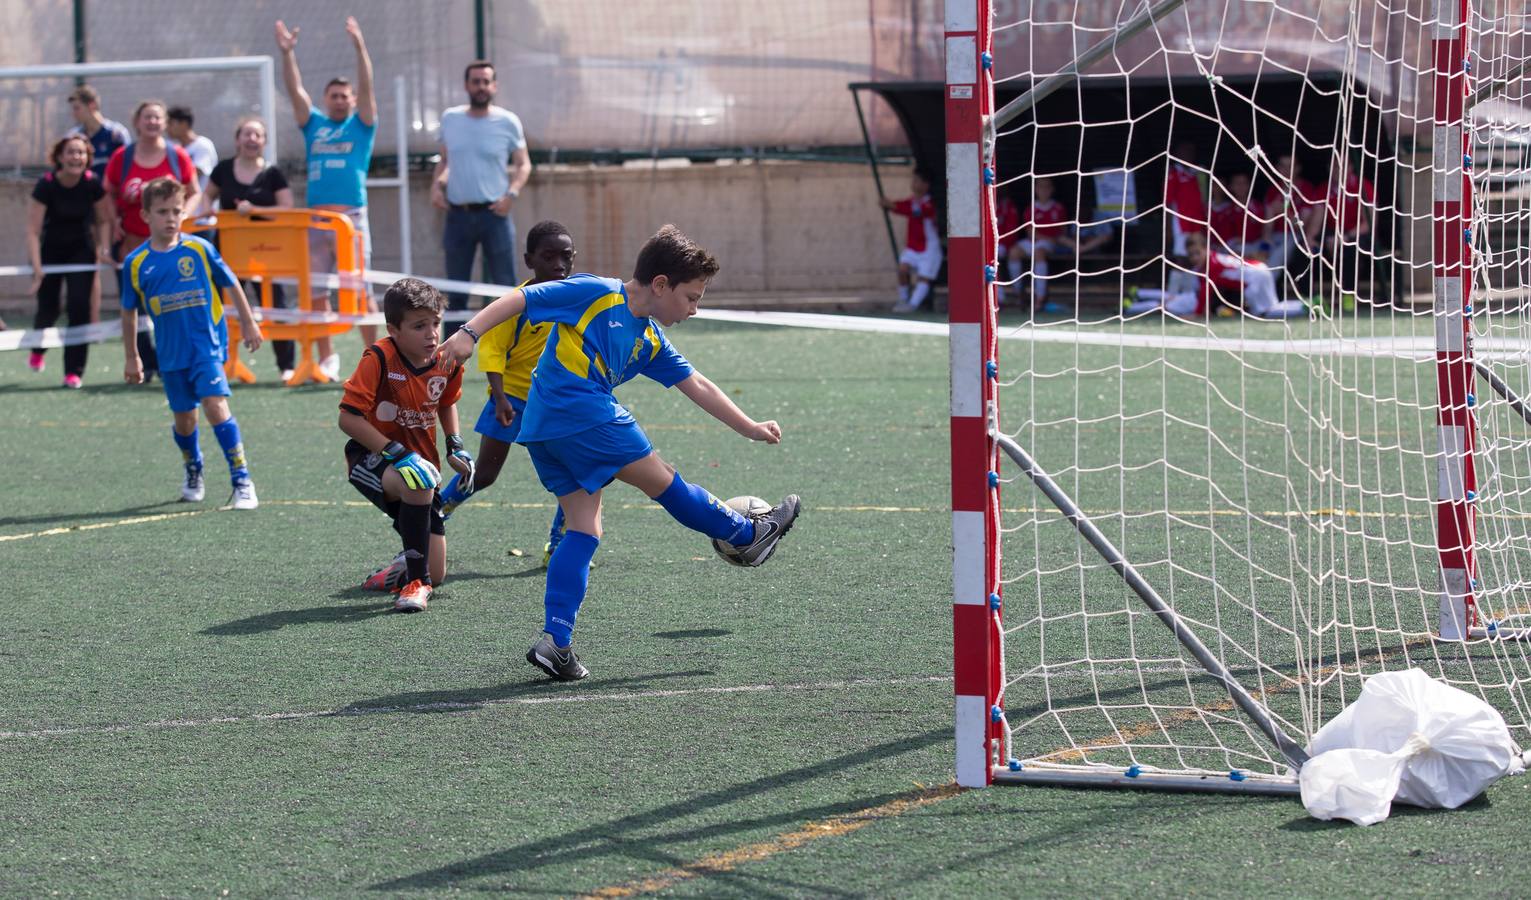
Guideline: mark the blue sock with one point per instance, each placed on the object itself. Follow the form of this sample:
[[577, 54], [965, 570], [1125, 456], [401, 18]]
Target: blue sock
[[568, 576], [453, 494], [555, 532], [698, 510], [227, 433], [191, 447]]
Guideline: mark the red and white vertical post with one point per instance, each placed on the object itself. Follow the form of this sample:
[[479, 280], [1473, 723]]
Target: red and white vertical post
[[970, 252], [1451, 174]]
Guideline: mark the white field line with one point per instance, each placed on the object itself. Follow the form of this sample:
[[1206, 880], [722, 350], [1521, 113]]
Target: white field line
[[449, 705]]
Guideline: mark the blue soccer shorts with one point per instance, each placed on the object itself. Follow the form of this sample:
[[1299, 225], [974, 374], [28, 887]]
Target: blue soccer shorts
[[185, 388], [588, 459], [489, 425]]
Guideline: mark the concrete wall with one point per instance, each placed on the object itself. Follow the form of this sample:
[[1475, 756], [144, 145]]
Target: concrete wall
[[776, 227]]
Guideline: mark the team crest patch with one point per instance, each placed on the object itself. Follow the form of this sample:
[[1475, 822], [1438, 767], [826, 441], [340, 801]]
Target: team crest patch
[[185, 265], [435, 386]]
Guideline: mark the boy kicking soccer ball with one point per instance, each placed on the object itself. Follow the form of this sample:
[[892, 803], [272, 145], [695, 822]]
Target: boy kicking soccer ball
[[506, 355], [177, 277], [580, 438], [389, 411]]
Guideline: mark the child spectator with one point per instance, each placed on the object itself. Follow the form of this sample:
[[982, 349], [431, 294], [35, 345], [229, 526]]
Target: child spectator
[[1248, 283], [389, 411], [580, 438], [1342, 225], [921, 260], [1184, 202], [1286, 205], [199, 147], [506, 355], [1008, 219], [1043, 233], [177, 278], [68, 223], [1236, 218]]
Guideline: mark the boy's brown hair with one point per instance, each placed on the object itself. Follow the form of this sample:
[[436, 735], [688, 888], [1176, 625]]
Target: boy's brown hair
[[407, 294], [86, 95], [162, 188], [670, 253]]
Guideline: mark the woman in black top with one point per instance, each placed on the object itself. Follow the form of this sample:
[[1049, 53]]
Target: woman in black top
[[68, 223], [244, 184]]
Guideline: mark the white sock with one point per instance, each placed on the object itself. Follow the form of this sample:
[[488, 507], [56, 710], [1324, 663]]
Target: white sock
[[1014, 267], [1039, 277], [921, 291], [903, 293]]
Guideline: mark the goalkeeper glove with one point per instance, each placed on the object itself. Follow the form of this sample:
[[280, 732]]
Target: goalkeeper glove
[[457, 451], [418, 473]]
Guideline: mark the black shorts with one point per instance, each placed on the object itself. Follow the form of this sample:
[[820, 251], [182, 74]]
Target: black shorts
[[366, 475]]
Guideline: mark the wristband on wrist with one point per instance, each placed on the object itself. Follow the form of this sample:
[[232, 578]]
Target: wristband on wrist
[[454, 443], [393, 451], [471, 333]]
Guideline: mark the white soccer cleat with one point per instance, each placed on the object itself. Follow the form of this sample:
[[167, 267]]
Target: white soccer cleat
[[244, 496], [330, 366], [192, 489]]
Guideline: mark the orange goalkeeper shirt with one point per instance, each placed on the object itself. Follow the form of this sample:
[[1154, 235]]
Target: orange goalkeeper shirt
[[399, 399]]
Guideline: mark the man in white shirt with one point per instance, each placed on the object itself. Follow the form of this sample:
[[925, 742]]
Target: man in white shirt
[[483, 166], [178, 122]]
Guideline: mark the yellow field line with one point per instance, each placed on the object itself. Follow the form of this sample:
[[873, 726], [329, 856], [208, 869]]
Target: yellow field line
[[70, 529], [791, 840]]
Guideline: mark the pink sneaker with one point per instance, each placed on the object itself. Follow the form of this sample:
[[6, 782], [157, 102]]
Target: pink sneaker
[[73, 382], [36, 362]]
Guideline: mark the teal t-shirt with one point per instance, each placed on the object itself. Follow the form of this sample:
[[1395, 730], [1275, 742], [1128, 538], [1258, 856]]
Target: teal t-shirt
[[338, 156]]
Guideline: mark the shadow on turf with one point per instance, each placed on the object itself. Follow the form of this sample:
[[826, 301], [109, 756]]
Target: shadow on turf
[[459, 699], [54, 518], [318, 615], [693, 633], [630, 837], [1480, 803]]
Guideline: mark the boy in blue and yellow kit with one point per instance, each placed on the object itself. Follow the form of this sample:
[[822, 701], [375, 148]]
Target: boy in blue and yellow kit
[[506, 355], [177, 278], [580, 438]]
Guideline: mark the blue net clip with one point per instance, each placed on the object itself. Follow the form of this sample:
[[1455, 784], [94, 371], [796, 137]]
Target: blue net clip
[[994, 601], [1472, 399], [1467, 235], [1472, 583], [1492, 628], [1467, 66], [989, 273], [1471, 495], [1133, 772], [1467, 309], [991, 368], [1015, 765], [996, 714], [1236, 775], [988, 174], [988, 60], [994, 482], [1467, 161]]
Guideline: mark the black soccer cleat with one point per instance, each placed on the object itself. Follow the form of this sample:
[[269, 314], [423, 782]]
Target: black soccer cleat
[[561, 665], [770, 528]]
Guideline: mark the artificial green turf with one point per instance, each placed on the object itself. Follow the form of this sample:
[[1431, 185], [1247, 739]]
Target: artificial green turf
[[725, 707]]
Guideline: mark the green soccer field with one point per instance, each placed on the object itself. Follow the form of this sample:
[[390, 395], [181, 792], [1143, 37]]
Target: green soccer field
[[201, 702]]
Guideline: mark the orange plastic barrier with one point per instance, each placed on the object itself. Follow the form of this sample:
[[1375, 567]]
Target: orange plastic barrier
[[273, 243]]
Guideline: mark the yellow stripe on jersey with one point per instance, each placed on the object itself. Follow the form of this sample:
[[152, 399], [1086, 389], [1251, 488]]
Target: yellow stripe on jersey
[[571, 338], [207, 275], [134, 265], [653, 339]]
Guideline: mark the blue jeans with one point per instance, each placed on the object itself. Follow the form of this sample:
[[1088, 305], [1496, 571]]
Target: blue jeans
[[466, 231]]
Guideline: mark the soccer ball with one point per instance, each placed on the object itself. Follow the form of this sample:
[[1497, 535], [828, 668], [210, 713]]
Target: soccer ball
[[746, 506]]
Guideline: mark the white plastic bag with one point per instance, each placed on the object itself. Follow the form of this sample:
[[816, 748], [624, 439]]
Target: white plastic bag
[[1407, 737]]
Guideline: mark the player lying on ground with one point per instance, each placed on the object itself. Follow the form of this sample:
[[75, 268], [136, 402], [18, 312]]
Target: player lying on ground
[[506, 355], [1247, 283], [176, 277], [580, 438], [389, 410]]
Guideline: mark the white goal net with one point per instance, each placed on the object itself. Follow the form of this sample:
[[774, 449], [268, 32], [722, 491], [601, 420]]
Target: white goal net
[[1262, 317]]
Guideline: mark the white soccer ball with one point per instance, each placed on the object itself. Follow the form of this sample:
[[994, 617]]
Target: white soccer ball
[[746, 506]]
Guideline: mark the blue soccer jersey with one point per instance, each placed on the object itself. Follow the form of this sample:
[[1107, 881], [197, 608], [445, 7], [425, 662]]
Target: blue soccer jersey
[[597, 343], [182, 289]]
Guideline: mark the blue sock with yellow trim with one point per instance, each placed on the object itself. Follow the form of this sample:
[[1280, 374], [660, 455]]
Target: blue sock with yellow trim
[[227, 433], [191, 447], [696, 508], [452, 495], [568, 577]]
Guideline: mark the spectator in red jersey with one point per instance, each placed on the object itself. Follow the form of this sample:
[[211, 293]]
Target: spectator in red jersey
[[1236, 218], [1184, 202], [1239, 282], [1343, 223], [1286, 205], [131, 167], [1043, 233], [1007, 217], [921, 260]]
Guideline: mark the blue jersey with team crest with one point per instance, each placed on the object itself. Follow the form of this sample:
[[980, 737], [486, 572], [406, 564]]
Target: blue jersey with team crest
[[181, 288], [596, 344]]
